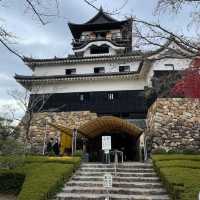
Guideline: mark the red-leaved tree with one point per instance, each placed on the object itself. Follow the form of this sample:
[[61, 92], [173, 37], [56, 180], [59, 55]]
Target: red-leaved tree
[[189, 84]]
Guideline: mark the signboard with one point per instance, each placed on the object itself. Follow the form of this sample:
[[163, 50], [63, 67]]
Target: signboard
[[106, 143], [199, 195], [107, 181]]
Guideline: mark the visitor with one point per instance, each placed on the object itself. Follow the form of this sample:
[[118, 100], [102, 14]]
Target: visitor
[[50, 146], [56, 147]]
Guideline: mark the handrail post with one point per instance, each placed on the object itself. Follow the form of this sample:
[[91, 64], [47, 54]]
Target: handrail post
[[145, 149], [116, 162]]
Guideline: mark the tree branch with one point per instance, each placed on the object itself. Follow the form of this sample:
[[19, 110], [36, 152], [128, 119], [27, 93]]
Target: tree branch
[[114, 12], [11, 50], [36, 12]]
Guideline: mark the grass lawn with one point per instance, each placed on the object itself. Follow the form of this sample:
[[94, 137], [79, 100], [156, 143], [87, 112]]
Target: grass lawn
[[39, 178], [180, 173]]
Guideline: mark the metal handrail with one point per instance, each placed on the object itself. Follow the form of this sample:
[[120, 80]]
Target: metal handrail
[[116, 160], [145, 149]]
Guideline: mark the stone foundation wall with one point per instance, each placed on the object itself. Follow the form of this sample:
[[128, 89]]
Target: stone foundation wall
[[174, 124], [66, 119]]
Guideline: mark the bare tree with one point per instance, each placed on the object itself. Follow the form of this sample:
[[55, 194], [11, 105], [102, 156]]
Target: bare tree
[[115, 11], [177, 6], [43, 10], [148, 34], [29, 104], [153, 35]]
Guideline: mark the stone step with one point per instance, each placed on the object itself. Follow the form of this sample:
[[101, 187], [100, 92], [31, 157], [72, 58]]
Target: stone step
[[119, 174], [124, 165], [134, 170], [115, 184], [127, 191], [78, 196], [134, 181], [127, 179]]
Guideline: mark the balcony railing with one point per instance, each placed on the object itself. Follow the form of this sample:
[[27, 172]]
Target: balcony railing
[[119, 41]]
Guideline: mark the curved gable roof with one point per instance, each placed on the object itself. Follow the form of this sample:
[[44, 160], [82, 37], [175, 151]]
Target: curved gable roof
[[100, 21], [101, 18]]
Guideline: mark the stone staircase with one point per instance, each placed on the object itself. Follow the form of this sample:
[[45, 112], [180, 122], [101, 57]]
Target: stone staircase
[[134, 181]]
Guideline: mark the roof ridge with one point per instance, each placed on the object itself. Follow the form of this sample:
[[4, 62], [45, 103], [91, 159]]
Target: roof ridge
[[100, 14]]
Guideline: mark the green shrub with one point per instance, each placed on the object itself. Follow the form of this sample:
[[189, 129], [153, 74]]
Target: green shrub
[[11, 181], [38, 178], [43, 180], [78, 153], [64, 160], [179, 163], [159, 151], [176, 157], [11, 161], [10, 146], [190, 151], [180, 174]]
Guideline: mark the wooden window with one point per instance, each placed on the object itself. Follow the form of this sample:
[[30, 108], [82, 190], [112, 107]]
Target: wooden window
[[170, 65], [70, 71], [98, 70], [111, 96], [124, 68], [99, 50], [82, 97]]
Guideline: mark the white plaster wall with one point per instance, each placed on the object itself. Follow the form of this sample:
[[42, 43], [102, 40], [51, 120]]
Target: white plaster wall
[[90, 86], [82, 68], [179, 64]]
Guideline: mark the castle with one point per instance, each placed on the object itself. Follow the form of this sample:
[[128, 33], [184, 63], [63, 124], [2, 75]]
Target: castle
[[100, 89]]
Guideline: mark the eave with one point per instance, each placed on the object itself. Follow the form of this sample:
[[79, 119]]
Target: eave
[[77, 29], [27, 81], [32, 63]]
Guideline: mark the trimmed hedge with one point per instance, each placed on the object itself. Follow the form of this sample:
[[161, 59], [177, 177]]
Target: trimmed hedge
[[180, 174], [11, 160], [39, 178], [11, 181], [179, 163], [63, 160], [176, 157], [43, 180]]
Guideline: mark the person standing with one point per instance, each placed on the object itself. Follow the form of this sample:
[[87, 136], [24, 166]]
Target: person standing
[[56, 147], [50, 146]]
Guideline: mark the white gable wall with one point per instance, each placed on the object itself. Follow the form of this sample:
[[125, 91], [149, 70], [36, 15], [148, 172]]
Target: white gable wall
[[179, 64]]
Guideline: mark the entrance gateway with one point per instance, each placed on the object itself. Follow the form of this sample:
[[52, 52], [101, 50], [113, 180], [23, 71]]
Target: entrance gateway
[[108, 133]]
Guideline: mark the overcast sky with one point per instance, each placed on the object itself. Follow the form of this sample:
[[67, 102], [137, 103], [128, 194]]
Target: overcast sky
[[53, 39]]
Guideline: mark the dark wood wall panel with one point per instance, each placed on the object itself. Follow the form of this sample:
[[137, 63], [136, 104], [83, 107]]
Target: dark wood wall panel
[[125, 103]]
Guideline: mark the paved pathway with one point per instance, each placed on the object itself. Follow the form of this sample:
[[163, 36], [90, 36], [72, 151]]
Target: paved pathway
[[7, 197]]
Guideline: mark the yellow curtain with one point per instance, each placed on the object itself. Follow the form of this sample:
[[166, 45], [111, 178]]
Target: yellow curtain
[[65, 142]]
